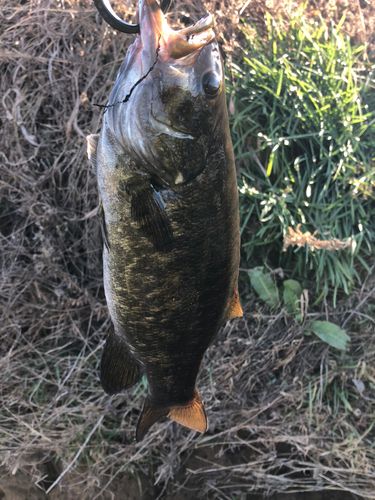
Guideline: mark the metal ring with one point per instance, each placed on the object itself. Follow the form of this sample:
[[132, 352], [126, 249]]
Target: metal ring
[[109, 15]]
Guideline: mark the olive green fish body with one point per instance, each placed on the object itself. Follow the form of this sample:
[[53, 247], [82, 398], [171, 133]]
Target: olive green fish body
[[170, 219], [170, 304]]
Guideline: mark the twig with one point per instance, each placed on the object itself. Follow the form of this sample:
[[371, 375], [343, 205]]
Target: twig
[[76, 456], [363, 301]]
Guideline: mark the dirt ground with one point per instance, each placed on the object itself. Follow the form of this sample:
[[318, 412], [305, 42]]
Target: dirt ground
[[20, 487]]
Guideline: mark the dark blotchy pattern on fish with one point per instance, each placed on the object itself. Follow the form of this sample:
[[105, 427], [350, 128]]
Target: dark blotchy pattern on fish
[[169, 215], [172, 303]]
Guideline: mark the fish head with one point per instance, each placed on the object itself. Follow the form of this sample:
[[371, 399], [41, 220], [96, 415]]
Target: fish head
[[186, 92], [175, 80]]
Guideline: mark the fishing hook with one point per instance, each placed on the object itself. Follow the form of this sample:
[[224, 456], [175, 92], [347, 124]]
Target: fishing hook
[[109, 15]]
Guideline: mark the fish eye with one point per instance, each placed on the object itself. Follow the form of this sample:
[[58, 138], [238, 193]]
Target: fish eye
[[211, 84]]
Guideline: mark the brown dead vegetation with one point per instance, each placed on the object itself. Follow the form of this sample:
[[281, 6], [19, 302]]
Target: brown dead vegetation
[[296, 238], [285, 413]]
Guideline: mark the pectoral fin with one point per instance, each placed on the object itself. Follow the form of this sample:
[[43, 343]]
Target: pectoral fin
[[191, 415], [118, 370], [148, 211], [235, 309]]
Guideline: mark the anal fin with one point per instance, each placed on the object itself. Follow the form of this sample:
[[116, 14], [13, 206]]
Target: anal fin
[[118, 369], [235, 309]]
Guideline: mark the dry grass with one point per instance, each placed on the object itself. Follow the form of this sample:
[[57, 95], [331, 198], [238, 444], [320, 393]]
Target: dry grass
[[285, 413], [296, 238]]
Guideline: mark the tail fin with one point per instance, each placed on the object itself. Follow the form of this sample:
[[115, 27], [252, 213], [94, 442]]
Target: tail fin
[[191, 415], [150, 414]]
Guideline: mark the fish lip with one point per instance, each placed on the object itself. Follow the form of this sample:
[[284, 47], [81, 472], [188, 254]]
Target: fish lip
[[172, 44], [204, 24], [165, 128]]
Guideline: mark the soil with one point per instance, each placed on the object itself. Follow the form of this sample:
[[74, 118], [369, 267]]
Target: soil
[[20, 487]]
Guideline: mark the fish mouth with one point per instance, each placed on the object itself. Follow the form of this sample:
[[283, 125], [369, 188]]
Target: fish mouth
[[166, 128], [175, 44], [183, 42]]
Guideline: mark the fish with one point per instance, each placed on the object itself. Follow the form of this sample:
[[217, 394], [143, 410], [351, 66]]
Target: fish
[[169, 216]]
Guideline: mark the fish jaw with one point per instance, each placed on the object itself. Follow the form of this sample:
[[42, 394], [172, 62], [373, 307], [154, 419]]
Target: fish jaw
[[157, 35], [169, 121]]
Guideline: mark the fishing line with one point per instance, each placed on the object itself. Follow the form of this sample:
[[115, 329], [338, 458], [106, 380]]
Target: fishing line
[[127, 97]]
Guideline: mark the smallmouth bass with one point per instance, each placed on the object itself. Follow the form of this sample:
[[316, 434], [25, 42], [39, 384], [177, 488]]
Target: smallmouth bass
[[169, 215]]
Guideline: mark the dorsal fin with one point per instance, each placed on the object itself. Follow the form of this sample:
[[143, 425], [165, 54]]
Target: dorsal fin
[[92, 144], [235, 309]]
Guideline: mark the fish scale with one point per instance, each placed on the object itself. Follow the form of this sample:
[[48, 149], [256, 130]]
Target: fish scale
[[168, 190]]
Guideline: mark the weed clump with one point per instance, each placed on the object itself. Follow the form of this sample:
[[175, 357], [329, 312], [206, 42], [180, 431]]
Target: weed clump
[[303, 136]]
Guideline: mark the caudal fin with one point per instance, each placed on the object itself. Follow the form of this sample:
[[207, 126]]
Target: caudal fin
[[191, 415], [235, 308], [150, 414]]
